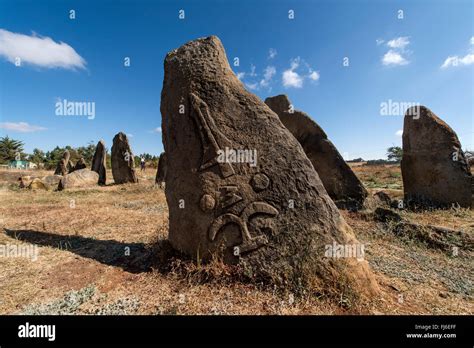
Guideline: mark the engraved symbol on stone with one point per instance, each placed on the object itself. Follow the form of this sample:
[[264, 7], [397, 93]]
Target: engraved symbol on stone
[[208, 132], [207, 203], [249, 243], [229, 196], [260, 182]]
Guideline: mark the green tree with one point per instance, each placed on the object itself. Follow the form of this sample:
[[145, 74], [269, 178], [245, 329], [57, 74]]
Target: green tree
[[74, 154], [86, 152], [394, 153], [53, 156], [108, 159], [154, 161], [149, 159], [37, 156], [10, 149]]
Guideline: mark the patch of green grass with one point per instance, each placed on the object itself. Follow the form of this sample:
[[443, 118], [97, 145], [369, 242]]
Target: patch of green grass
[[395, 175]]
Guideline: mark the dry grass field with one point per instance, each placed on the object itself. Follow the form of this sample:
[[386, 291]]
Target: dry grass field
[[103, 251]]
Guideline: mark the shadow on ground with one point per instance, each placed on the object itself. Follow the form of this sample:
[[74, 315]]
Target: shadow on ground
[[131, 257], [158, 256]]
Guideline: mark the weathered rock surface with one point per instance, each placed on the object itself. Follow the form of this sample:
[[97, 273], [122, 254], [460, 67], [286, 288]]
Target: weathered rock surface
[[436, 237], [99, 162], [79, 178], [383, 198], [123, 166], [47, 182], [70, 166], [63, 165], [386, 215], [267, 209], [52, 181], [161, 172], [80, 164], [434, 168], [340, 182], [37, 184], [24, 181]]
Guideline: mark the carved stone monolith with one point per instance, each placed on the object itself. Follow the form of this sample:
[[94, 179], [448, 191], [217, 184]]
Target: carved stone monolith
[[242, 184]]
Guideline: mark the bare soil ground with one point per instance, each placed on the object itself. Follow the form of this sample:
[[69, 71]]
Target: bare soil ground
[[103, 251]]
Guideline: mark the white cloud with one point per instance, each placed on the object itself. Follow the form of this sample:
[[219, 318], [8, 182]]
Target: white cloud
[[379, 41], [268, 74], [252, 70], [396, 55], [272, 53], [22, 127], [314, 75], [252, 86], [295, 63], [40, 51], [468, 59], [393, 58], [399, 133], [450, 61], [293, 77], [290, 77], [129, 135], [399, 42], [157, 130]]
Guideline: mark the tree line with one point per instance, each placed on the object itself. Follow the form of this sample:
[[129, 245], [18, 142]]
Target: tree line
[[11, 149]]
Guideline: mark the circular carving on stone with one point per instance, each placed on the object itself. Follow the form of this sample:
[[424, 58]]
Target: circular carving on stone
[[207, 203], [260, 182]]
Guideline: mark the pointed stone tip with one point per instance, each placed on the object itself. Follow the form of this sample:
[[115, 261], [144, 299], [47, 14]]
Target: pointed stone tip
[[413, 110], [414, 113], [213, 40], [205, 40], [120, 135]]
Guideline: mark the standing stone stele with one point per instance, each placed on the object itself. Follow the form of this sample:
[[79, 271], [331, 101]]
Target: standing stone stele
[[99, 162], [161, 172], [123, 166], [265, 210], [63, 165], [80, 164], [338, 179], [434, 168]]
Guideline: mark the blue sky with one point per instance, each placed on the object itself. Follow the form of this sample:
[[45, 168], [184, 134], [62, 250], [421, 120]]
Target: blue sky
[[427, 57]]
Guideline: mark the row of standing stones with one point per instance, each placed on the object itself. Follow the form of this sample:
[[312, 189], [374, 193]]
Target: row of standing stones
[[275, 219], [68, 175]]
